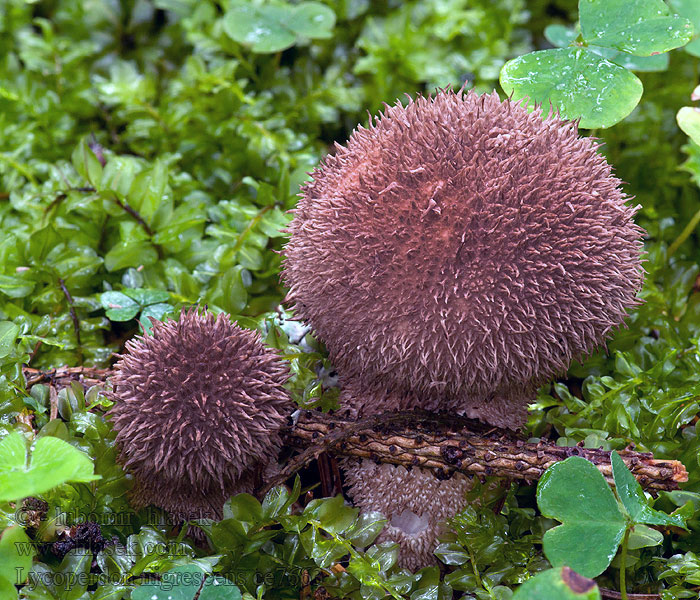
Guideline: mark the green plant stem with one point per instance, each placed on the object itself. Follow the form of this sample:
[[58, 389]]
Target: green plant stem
[[685, 234], [623, 563], [474, 569]]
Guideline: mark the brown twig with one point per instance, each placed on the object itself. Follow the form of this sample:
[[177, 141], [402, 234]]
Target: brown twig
[[63, 376], [137, 217], [53, 401], [73, 315], [124, 206], [448, 444]]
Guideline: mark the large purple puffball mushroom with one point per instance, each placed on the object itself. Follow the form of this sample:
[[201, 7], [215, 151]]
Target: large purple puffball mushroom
[[453, 256], [461, 251], [199, 408]]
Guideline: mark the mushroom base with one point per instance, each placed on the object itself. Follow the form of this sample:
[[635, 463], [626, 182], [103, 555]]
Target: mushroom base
[[414, 501]]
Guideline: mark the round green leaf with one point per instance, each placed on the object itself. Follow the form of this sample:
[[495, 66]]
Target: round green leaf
[[688, 119], [262, 28], [312, 20], [690, 9], [558, 584], [576, 493], [52, 463], [576, 81], [641, 27], [119, 307]]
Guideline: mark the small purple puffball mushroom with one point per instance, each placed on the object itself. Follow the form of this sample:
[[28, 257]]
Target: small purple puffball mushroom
[[415, 503], [463, 250], [199, 408]]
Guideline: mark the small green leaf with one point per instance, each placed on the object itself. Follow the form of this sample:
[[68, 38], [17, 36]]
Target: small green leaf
[[641, 27], [644, 64], [576, 493], [693, 48], [262, 28], [312, 20], [558, 584], [16, 553], [644, 537], [275, 502], [365, 529], [451, 553], [42, 242], [8, 590], [273, 222], [580, 84], [180, 583], [118, 306], [74, 568], [386, 553], [243, 507], [332, 513], [688, 119], [130, 254], [86, 163], [111, 591], [560, 35], [15, 287], [219, 588], [148, 189], [250, 257], [323, 551], [118, 174], [155, 311], [52, 463], [145, 297], [235, 296], [8, 335], [633, 499]]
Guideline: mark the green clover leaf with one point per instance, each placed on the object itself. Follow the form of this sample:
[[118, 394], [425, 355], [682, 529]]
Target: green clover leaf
[[576, 493]]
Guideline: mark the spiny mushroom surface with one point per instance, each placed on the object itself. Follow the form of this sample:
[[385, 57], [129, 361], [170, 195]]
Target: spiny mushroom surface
[[199, 407], [462, 250], [415, 503]]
